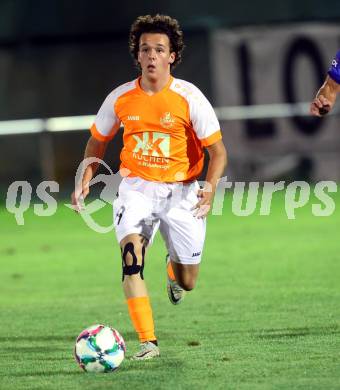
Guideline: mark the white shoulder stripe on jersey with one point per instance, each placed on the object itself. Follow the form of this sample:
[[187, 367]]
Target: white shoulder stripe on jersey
[[202, 115], [106, 120]]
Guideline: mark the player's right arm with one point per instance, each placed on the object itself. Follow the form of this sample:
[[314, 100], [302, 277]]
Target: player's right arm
[[94, 148], [104, 128], [325, 98]]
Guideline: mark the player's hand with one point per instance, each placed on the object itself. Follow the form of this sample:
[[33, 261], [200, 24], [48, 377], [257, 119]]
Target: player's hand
[[78, 196], [202, 208], [320, 106]]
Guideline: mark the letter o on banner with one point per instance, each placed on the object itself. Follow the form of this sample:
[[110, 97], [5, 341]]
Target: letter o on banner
[[302, 46]]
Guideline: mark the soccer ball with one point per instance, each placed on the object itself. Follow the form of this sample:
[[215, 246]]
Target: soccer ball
[[99, 348]]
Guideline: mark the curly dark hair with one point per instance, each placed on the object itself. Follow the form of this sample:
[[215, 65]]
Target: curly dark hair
[[163, 24]]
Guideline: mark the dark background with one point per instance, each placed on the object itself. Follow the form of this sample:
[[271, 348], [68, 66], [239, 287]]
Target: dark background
[[60, 58]]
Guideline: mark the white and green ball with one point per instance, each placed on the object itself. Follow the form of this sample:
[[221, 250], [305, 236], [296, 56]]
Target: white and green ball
[[99, 348]]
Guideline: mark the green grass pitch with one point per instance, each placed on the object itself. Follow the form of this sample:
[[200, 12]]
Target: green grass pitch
[[265, 313]]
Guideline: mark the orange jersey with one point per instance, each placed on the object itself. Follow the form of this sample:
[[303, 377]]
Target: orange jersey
[[164, 134]]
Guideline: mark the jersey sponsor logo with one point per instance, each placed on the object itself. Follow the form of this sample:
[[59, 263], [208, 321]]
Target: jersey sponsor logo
[[167, 121], [195, 254], [152, 144], [133, 118]]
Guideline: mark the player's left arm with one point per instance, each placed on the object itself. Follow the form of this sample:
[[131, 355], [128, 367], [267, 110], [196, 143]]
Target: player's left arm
[[217, 164]]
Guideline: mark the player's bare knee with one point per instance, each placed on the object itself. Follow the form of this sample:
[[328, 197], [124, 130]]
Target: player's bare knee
[[132, 259]]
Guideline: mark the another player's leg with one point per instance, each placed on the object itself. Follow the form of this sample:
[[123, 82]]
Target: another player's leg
[[133, 248]]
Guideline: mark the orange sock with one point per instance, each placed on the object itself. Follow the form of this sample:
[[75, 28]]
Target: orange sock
[[141, 316], [170, 271]]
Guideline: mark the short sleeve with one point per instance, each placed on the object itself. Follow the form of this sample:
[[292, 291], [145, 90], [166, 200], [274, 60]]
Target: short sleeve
[[203, 119], [334, 70], [106, 122]]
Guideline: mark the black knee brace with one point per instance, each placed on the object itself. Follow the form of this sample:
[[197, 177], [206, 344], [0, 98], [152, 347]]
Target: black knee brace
[[134, 268]]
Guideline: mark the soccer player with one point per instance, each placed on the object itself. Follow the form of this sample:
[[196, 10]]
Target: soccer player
[[167, 123], [326, 96]]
